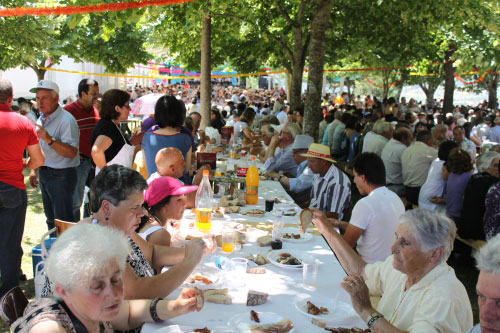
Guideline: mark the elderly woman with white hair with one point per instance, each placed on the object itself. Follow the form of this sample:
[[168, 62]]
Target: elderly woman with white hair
[[419, 291], [86, 265], [470, 222], [488, 286]]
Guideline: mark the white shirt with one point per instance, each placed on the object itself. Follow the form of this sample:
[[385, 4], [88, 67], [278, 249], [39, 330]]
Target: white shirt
[[416, 161], [376, 145], [391, 156], [368, 137], [433, 187], [282, 117], [378, 215], [437, 303]]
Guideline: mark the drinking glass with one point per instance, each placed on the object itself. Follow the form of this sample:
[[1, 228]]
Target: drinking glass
[[227, 240], [310, 274]]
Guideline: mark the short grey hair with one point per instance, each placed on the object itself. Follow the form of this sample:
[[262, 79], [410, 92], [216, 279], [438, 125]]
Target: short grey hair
[[338, 114], [6, 90], [377, 127], [84, 251], [267, 130], [293, 129], [487, 258], [384, 127], [114, 183], [484, 160], [431, 230]]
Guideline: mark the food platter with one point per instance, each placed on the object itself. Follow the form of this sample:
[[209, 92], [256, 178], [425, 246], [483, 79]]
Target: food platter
[[275, 255], [241, 322], [294, 232], [338, 312]]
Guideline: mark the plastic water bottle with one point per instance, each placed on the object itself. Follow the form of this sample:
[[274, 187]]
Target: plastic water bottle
[[242, 169], [232, 147], [204, 204], [223, 263]]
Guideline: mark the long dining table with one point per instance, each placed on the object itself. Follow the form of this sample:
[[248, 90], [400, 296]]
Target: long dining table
[[287, 293]]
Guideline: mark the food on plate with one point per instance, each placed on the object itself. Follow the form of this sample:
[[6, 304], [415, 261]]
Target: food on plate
[[264, 240], [259, 259], [287, 259], [347, 330], [305, 220], [218, 296], [233, 209], [291, 236], [189, 237], [256, 270], [290, 212], [218, 214], [283, 326], [256, 298], [199, 277], [242, 201], [255, 212], [318, 323], [202, 330], [199, 302], [254, 316], [314, 310]]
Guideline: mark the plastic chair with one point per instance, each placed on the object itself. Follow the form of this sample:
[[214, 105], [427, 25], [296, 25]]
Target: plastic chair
[[12, 305]]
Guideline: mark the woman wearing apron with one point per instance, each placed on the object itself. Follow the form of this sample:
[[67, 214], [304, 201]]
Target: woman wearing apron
[[109, 145]]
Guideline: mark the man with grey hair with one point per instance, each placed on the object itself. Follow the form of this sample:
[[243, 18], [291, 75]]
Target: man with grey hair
[[391, 156], [59, 139], [488, 286], [464, 143], [419, 291], [327, 139], [283, 160], [494, 132], [18, 134], [383, 131]]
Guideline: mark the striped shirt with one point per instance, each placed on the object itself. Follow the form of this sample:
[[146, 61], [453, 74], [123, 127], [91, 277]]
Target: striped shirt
[[331, 193]]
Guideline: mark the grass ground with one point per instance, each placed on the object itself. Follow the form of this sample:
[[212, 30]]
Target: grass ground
[[35, 227]]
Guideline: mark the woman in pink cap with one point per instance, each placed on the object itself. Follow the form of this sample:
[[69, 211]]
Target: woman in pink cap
[[165, 200]]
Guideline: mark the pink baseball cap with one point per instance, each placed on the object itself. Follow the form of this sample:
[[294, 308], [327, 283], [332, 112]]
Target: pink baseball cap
[[162, 187]]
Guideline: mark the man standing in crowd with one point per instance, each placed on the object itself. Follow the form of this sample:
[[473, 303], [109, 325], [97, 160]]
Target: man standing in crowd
[[59, 136], [283, 160], [18, 134], [391, 156], [331, 189], [416, 161], [375, 217], [494, 132], [87, 116], [488, 286]]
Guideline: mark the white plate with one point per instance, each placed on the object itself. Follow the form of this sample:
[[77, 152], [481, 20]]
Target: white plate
[[275, 254], [213, 276], [241, 321], [338, 311], [187, 329], [303, 238]]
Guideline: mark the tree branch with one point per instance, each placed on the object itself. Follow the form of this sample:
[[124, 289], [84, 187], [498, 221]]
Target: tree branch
[[300, 15], [285, 15]]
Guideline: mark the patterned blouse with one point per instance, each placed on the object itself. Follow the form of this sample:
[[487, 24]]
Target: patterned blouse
[[46, 309], [491, 219]]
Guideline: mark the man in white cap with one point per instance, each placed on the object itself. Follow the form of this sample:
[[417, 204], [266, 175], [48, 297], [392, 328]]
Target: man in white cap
[[299, 186], [331, 189], [59, 137]]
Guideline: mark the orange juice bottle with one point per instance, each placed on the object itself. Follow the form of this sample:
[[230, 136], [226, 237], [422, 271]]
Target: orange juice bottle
[[203, 204], [252, 183]]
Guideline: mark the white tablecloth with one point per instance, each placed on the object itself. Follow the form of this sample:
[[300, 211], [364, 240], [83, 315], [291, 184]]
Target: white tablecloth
[[283, 285]]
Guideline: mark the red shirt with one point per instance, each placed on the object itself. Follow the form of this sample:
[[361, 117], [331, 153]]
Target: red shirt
[[86, 118], [17, 132]]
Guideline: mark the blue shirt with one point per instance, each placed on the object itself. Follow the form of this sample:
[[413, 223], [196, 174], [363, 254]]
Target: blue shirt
[[494, 134], [282, 161], [324, 140], [304, 178], [152, 143], [62, 126]]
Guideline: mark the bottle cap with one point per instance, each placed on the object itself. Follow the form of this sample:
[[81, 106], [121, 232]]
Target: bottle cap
[[253, 158], [242, 154], [206, 172]]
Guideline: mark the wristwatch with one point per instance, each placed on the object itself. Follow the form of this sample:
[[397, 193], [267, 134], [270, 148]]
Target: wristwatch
[[52, 140], [373, 317]]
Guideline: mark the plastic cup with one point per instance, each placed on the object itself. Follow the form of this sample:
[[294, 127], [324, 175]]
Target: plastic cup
[[310, 274], [227, 240], [269, 205], [239, 265]]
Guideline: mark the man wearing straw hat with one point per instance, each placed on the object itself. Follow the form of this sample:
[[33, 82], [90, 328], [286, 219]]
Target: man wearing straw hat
[[331, 189]]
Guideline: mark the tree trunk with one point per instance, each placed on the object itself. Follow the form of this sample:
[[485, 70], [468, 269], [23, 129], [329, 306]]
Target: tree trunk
[[449, 78], [205, 77], [296, 83], [312, 111], [40, 73], [288, 77], [492, 90], [429, 94], [385, 80]]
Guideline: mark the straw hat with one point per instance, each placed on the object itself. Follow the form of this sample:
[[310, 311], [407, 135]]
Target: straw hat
[[319, 151]]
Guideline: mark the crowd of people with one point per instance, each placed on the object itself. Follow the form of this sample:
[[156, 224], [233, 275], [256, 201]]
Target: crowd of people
[[426, 178]]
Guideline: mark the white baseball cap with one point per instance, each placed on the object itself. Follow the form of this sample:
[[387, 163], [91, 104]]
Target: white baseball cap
[[46, 84]]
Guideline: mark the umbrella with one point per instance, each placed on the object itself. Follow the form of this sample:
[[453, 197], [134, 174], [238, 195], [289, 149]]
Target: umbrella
[[145, 104]]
